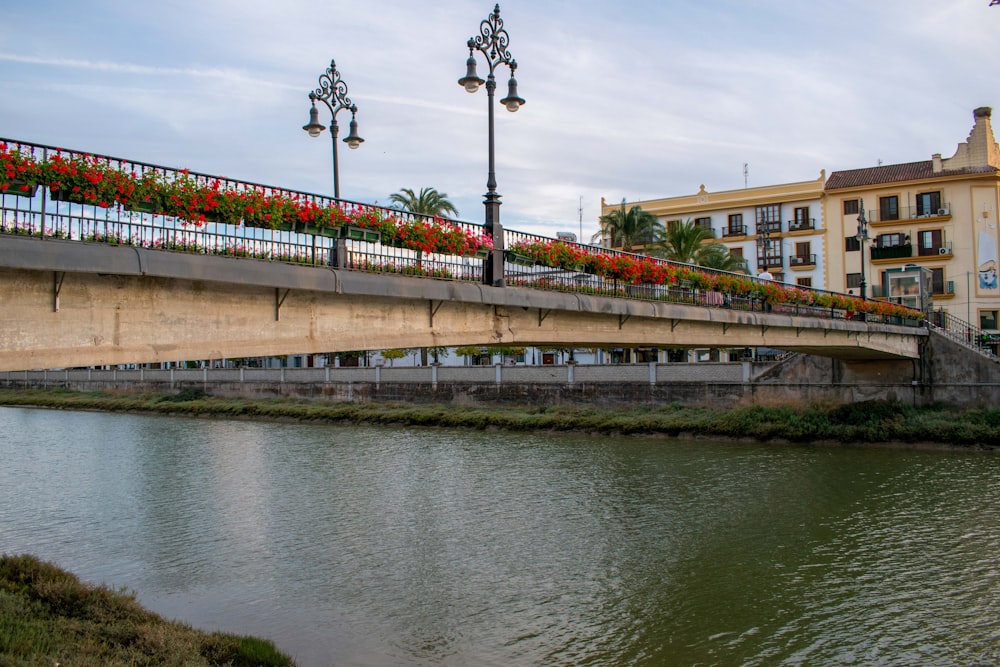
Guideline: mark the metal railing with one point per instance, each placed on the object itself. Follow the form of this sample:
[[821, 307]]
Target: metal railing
[[964, 333], [801, 225], [876, 215], [41, 215], [802, 260]]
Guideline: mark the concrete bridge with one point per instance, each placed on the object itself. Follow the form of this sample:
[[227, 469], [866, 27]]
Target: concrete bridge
[[71, 304]]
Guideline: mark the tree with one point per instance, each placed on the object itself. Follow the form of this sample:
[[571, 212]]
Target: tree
[[394, 354], [633, 226], [689, 243], [428, 202]]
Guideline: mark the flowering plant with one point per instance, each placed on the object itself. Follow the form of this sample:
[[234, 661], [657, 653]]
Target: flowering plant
[[18, 171]]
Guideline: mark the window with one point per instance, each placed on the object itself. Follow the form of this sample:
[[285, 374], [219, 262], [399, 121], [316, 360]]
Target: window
[[770, 213], [736, 252], [937, 282], [804, 282], [704, 223], [803, 254], [854, 281], [891, 240], [888, 208], [735, 222], [928, 203], [802, 220], [928, 242], [987, 319], [851, 244], [851, 207]]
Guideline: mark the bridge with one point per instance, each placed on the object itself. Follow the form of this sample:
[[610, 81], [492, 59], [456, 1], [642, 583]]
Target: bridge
[[94, 278]]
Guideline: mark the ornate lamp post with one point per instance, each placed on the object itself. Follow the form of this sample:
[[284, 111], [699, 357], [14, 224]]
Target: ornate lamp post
[[862, 237], [492, 41], [332, 92]]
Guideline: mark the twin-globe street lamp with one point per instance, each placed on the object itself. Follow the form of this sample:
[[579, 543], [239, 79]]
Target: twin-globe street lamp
[[332, 92], [492, 41], [862, 237]]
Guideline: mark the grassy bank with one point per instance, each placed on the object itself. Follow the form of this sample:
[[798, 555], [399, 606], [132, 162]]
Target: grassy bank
[[49, 617], [869, 422]]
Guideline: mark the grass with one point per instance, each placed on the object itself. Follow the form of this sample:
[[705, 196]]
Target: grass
[[49, 617], [867, 422]]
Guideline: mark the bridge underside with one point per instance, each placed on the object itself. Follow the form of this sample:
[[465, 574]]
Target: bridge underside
[[70, 304]]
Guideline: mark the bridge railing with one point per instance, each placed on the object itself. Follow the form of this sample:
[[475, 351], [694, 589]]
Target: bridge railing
[[57, 193]]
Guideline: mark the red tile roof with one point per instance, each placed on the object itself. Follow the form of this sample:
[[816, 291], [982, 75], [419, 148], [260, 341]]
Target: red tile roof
[[894, 173]]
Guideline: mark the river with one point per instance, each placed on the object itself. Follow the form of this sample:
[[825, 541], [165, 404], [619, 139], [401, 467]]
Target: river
[[359, 545]]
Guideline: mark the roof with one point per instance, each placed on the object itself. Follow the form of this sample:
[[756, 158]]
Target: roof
[[895, 173]]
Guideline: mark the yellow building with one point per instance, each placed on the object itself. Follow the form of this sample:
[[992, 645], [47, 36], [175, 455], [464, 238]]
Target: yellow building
[[940, 214], [778, 227]]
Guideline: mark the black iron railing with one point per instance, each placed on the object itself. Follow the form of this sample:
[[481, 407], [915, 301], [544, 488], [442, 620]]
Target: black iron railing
[[44, 212]]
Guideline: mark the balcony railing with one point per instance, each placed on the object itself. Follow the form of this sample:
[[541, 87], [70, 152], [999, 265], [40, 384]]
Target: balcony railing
[[802, 260], [770, 261], [908, 213], [801, 225], [893, 252], [735, 231]]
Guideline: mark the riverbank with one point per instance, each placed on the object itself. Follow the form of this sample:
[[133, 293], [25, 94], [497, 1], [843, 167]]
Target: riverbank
[[862, 423], [48, 616]]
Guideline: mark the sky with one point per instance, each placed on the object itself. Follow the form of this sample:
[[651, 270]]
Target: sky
[[635, 100]]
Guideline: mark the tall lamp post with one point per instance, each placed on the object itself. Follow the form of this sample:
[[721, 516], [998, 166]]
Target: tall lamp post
[[862, 237], [332, 92], [492, 41]]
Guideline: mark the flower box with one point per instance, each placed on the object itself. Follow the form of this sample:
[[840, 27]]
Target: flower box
[[360, 234], [284, 227], [64, 194], [521, 260], [147, 207], [18, 188]]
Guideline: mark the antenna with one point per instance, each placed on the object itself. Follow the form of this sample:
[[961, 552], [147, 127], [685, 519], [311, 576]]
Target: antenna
[[746, 173], [580, 240]]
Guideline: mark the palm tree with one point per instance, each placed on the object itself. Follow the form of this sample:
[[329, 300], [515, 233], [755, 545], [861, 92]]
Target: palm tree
[[629, 227], [689, 243], [428, 202]]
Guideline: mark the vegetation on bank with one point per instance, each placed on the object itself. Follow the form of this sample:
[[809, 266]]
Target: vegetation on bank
[[49, 617], [865, 422]]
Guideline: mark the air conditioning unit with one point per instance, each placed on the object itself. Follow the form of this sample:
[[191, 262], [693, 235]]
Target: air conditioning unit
[[944, 251], [942, 211]]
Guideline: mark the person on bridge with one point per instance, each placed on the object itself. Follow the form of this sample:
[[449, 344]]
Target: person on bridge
[[765, 275]]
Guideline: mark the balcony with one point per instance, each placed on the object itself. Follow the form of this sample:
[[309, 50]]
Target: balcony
[[735, 231], [892, 252], [802, 261], [908, 213], [770, 261], [802, 225]]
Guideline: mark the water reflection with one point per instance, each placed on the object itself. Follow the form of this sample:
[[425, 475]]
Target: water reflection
[[376, 546]]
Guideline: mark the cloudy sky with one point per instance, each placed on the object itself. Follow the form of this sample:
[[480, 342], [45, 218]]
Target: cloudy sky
[[635, 100]]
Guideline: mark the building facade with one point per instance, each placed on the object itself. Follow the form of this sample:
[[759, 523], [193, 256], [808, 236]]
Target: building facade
[[939, 214]]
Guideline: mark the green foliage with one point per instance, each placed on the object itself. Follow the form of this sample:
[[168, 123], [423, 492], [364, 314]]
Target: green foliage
[[428, 202], [869, 413], [48, 616], [629, 227]]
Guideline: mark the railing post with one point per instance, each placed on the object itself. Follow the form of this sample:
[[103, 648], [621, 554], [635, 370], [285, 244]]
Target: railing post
[[570, 374], [434, 376], [498, 373], [652, 373]]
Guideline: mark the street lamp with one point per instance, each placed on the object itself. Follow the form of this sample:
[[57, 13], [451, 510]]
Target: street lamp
[[332, 92], [492, 41], [862, 237]]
